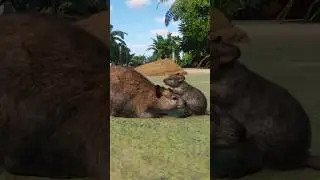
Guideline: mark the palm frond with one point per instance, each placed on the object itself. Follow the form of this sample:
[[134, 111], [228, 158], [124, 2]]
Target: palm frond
[[171, 14]]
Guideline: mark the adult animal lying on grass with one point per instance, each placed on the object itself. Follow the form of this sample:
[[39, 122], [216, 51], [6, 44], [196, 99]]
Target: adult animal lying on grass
[[273, 129], [133, 95], [52, 99]]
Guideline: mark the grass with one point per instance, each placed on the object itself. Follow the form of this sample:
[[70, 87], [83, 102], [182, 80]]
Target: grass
[[166, 148]]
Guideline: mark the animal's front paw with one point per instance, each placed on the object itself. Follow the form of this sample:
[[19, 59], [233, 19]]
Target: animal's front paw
[[158, 115]]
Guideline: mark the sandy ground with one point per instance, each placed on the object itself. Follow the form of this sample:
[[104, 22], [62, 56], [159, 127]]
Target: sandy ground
[[196, 71]]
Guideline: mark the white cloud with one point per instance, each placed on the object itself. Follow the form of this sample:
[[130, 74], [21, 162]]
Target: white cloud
[[168, 3], [161, 32], [137, 3], [159, 19], [111, 7], [138, 48]]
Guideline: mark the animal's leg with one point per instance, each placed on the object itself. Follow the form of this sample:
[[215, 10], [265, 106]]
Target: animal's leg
[[47, 160], [33, 154], [141, 110], [235, 161], [234, 155], [187, 112], [147, 115], [115, 110], [98, 157]]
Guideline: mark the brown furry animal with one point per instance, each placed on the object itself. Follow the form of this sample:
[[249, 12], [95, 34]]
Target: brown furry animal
[[133, 95], [52, 99]]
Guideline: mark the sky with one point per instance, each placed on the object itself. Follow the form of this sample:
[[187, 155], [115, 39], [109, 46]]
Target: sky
[[141, 20]]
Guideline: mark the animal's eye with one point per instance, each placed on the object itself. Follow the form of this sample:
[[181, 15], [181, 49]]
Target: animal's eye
[[174, 98]]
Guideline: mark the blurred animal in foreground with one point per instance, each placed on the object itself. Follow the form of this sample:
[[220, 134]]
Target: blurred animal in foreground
[[52, 99], [260, 124]]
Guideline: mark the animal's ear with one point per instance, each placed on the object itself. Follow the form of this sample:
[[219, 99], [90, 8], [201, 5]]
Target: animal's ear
[[225, 53], [158, 90]]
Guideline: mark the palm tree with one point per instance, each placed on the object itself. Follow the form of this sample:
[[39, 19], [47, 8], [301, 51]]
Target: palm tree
[[174, 45], [70, 9], [165, 46], [117, 46], [117, 36], [228, 7], [159, 46]]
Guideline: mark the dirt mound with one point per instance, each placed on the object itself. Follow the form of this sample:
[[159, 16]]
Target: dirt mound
[[160, 67], [223, 27], [97, 25]]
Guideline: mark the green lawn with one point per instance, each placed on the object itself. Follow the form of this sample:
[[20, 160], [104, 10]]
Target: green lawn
[[165, 148]]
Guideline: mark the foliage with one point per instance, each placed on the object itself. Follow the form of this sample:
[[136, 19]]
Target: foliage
[[185, 60], [138, 60], [193, 26], [193, 16], [119, 52], [165, 46], [72, 9], [152, 58], [228, 7]]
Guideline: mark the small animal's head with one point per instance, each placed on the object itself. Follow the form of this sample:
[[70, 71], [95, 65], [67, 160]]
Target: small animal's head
[[224, 56], [167, 100], [174, 80], [225, 53]]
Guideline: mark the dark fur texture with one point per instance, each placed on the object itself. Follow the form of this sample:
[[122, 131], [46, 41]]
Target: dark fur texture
[[133, 95], [196, 102], [52, 97], [275, 126]]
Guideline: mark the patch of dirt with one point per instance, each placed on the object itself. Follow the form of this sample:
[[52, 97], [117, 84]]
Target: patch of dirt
[[162, 67], [196, 71]]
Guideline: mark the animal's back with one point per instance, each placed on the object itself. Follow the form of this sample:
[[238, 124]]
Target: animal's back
[[41, 53], [196, 100], [130, 82], [275, 119]]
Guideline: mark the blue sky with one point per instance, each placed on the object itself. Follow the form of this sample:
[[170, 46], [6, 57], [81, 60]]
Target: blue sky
[[142, 21]]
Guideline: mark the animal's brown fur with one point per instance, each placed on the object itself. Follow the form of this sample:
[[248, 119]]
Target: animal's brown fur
[[131, 89], [52, 89]]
